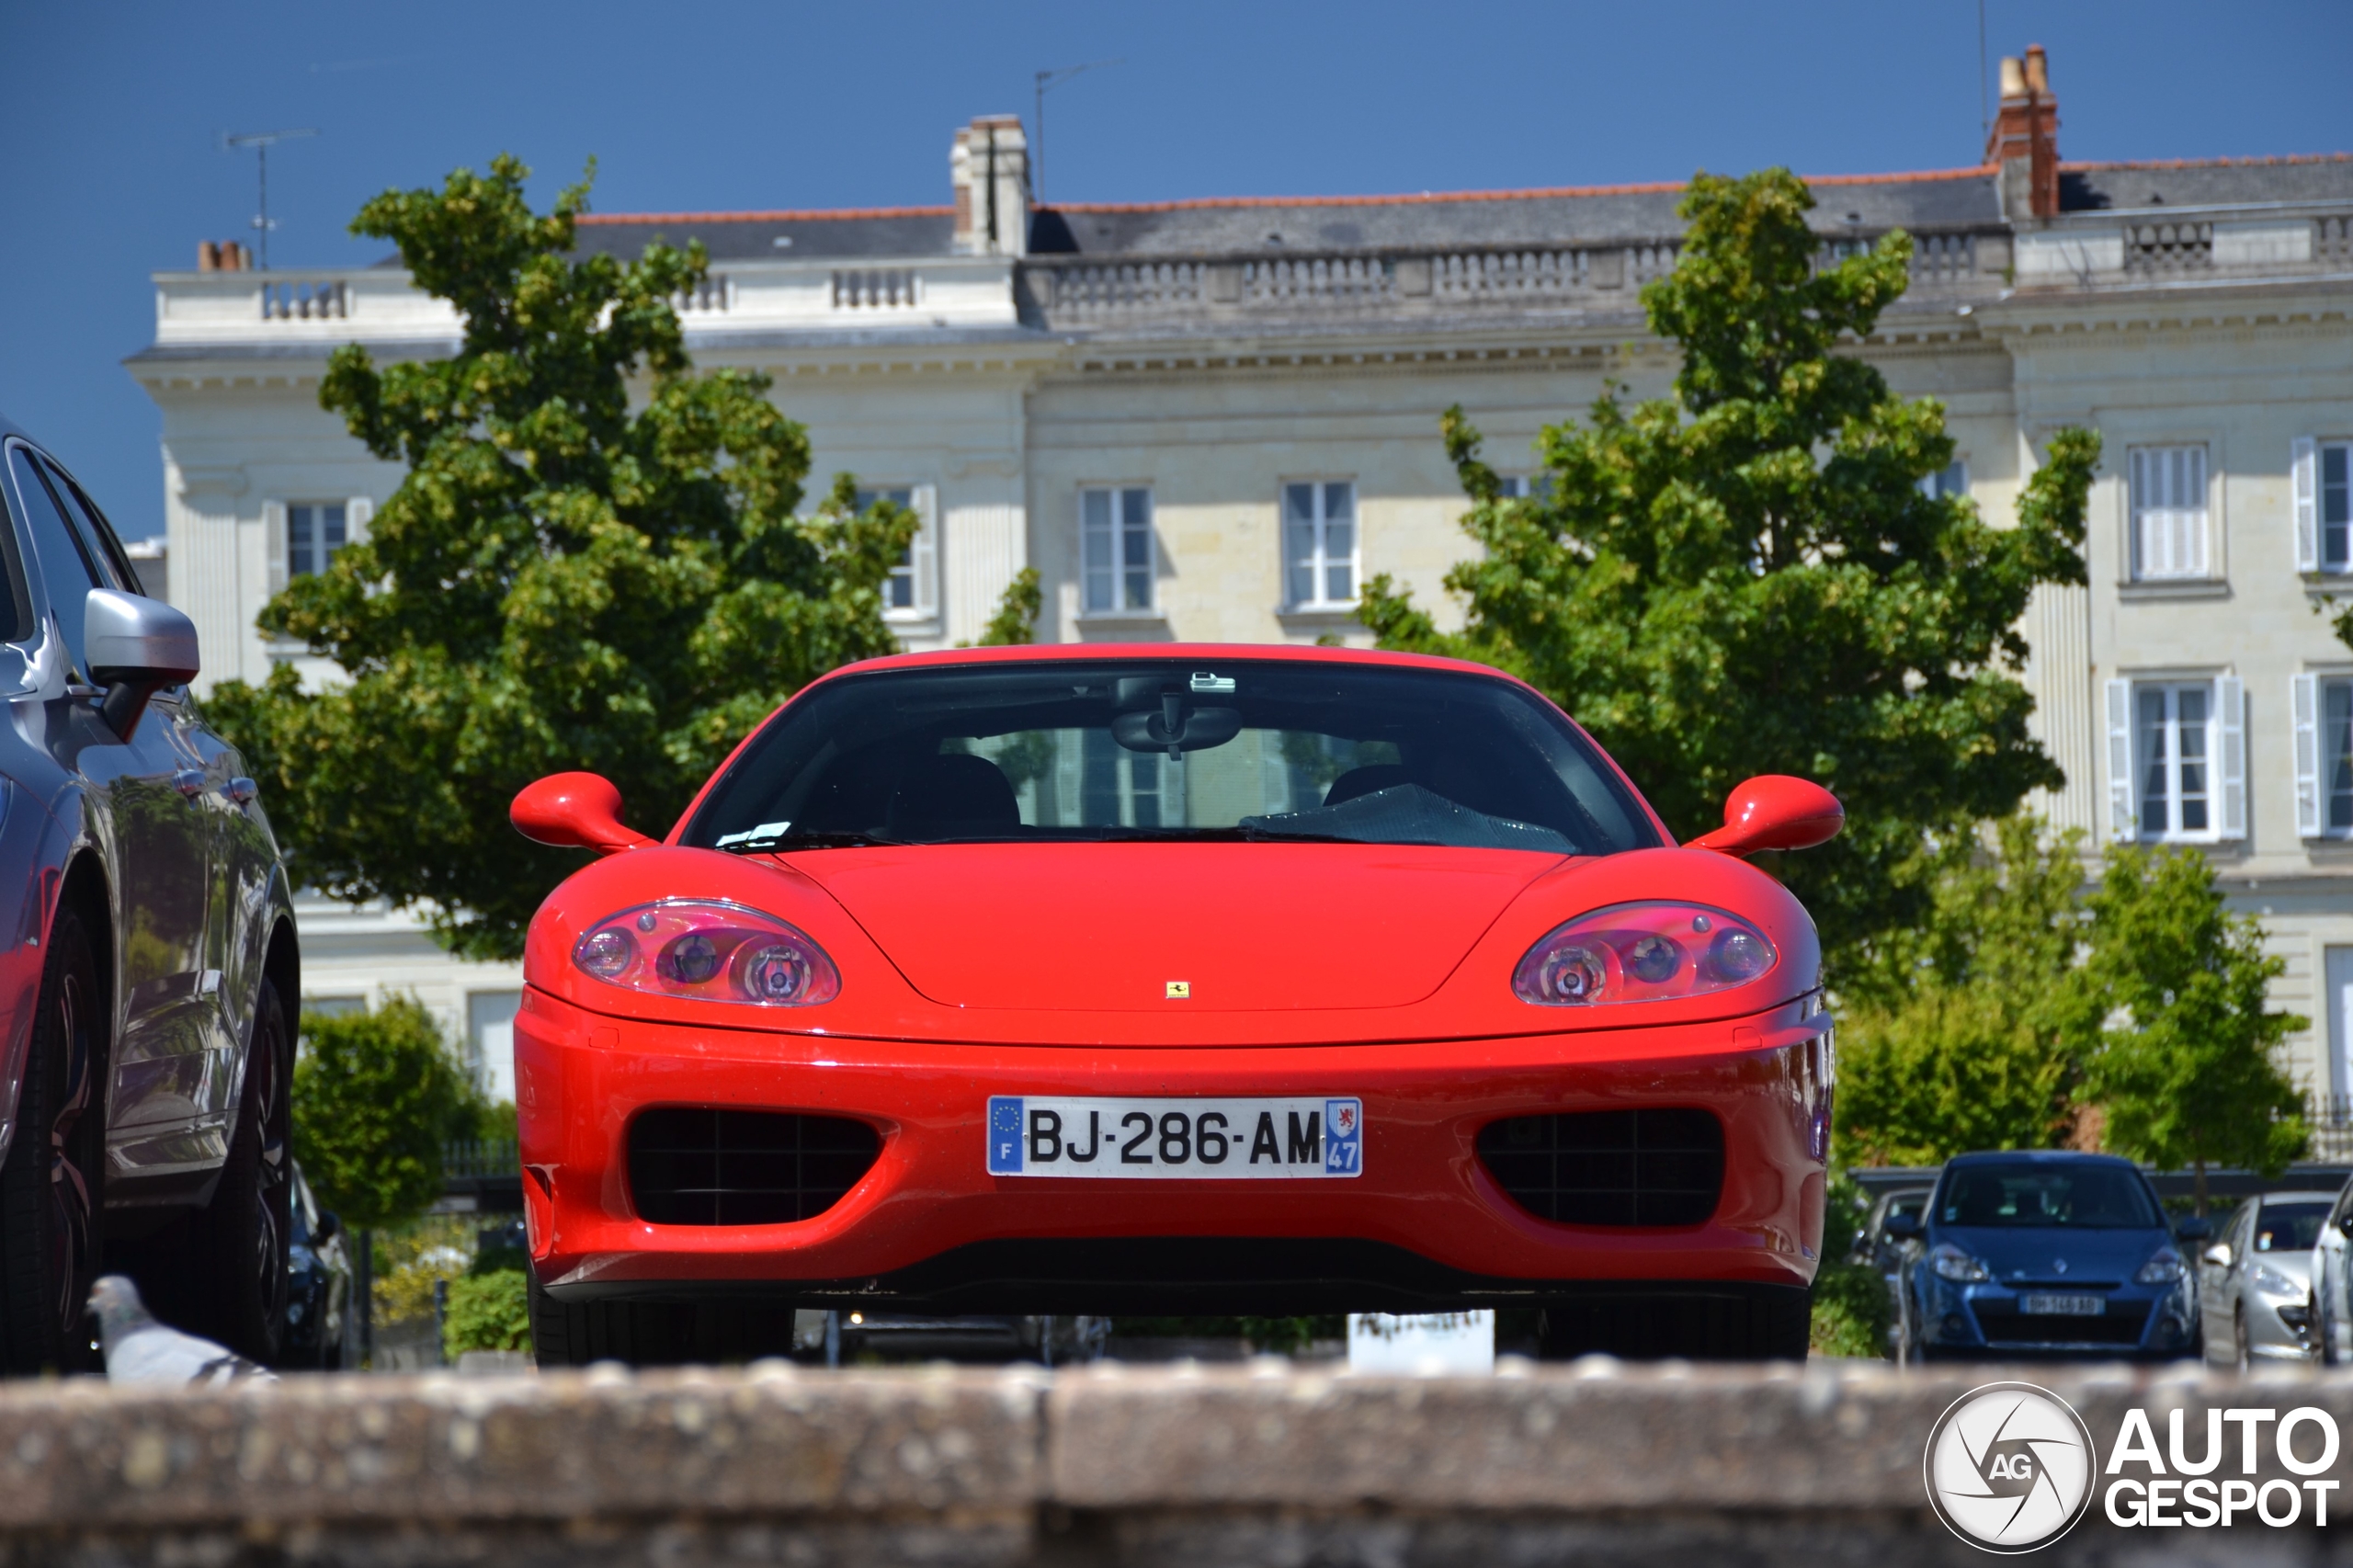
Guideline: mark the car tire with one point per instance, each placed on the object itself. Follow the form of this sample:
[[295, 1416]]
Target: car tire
[[1763, 1324], [577, 1333], [52, 1184], [237, 1254]]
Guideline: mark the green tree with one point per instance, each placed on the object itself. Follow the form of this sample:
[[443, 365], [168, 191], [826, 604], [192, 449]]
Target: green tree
[[561, 580], [2180, 1048], [375, 1096], [1955, 1033], [1015, 620], [1746, 578]]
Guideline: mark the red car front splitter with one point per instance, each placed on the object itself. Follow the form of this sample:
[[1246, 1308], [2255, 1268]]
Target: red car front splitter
[[582, 1076]]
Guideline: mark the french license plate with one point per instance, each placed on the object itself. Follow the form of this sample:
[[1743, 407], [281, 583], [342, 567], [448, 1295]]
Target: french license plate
[[2064, 1306], [1189, 1139]]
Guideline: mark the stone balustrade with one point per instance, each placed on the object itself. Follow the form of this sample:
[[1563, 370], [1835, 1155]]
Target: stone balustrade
[[1264, 1463]]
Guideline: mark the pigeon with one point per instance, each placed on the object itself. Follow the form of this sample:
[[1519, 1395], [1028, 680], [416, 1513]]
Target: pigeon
[[141, 1350]]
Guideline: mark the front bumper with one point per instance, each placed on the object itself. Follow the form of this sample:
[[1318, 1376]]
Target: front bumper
[[928, 1225], [2140, 1319]]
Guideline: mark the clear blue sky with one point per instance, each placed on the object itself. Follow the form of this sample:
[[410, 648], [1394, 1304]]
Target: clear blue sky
[[114, 110]]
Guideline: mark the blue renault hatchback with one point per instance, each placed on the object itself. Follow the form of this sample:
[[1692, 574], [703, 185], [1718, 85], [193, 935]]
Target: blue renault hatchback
[[2037, 1252]]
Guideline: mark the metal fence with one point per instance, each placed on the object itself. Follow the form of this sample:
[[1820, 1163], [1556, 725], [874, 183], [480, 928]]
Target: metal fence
[[479, 1158]]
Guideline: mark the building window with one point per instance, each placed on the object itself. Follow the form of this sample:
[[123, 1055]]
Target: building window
[[1949, 480], [1118, 787], [2178, 759], [907, 593], [2324, 718], [1320, 544], [2335, 508], [2173, 740], [490, 1038], [1115, 551], [314, 534], [2169, 507], [1524, 486]]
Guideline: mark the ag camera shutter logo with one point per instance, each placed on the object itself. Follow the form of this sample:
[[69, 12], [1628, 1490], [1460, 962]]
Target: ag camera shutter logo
[[2010, 1466]]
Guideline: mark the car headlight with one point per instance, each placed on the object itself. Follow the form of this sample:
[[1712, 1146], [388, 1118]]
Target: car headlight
[[1951, 1263], [1642, 952], [2163, 1268], [708, 950], [2271, 1283]]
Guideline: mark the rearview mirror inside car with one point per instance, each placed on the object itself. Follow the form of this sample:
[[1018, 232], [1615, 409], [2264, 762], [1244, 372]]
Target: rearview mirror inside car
[[1773, 811], [1174, 728], [575, 811], [136, 647]]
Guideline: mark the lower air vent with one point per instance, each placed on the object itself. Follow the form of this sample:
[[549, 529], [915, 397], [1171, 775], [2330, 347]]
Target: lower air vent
[[1610, 1168], [744, 1168]]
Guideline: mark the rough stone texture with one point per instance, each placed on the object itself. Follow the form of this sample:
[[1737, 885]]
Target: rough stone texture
[[1588, 1438], [564, 1446], [1245, 1465]]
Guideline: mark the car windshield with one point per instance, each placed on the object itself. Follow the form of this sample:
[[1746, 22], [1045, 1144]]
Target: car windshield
[[2289, 1227], [2022, 1196], [1096, 750]]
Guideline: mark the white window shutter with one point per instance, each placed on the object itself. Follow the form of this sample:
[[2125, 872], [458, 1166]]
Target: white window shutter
[[357, 513], [2120, 824], [926, 559], [2305, 706], [2304, 486], [273, 533], [2229, 698]]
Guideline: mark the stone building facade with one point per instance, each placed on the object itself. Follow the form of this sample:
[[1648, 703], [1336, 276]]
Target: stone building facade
[[1212, 420]]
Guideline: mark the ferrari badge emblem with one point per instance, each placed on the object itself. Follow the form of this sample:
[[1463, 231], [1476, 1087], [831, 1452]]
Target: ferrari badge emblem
[[1179, 990]]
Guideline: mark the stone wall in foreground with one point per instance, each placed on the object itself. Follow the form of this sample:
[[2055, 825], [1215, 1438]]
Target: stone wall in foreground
[[1256, 1465]]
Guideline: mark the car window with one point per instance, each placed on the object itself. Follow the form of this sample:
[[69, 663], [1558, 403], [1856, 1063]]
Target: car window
[[1084, 750], [67, 566], [2289, 1227], [96, 531], [2035, 1195], [16, 619]]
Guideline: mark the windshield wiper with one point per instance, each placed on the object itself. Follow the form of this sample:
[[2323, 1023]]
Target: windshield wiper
[[1288, 835], [771, 843]]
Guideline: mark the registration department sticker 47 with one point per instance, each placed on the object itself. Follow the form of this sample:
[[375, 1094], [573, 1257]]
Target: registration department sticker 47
[[1175, 1140]]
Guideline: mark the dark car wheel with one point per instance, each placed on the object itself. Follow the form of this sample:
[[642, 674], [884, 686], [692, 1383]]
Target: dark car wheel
[[51, 1187], [1762, 1324], [239, 1247]]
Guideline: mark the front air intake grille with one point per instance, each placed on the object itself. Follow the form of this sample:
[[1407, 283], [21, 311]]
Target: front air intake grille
[[744, 1168], [1610, 1168]]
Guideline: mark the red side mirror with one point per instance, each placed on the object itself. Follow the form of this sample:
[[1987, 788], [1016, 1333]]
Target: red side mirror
[[1773, 811], [575, 811]]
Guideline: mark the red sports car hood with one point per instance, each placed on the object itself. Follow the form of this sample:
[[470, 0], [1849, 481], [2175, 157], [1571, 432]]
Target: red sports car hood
[[1113, 927]]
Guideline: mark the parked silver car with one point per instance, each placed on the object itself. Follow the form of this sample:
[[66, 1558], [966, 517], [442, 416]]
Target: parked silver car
[[2255, 1281], [2332, 1277], [148, 958]]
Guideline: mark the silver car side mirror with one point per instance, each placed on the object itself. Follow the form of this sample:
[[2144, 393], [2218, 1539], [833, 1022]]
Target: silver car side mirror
[[136, 647], [2219, 1254]]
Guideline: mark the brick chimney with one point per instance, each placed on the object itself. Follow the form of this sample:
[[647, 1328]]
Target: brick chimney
[[2024, 142], [990, 169], [227, 255]]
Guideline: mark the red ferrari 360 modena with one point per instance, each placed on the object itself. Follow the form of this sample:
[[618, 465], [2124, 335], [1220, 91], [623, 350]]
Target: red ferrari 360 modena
[[1172, 979]]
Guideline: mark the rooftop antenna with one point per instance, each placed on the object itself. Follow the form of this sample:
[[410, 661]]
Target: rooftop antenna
[[1047, 79], [261, 142]]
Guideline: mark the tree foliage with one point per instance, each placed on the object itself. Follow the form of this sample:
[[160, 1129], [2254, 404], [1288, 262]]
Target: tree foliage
[[1956, 1035], [561, 580], [2179, 1045], [375, 1096], [1746, 578], [1015, 620]]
